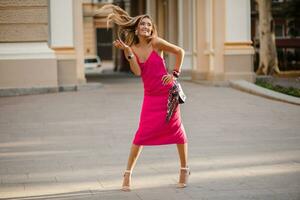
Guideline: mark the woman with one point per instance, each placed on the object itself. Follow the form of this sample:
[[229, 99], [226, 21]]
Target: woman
[[143, 49]]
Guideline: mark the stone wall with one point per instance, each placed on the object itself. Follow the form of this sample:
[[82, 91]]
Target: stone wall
[[23, 20]]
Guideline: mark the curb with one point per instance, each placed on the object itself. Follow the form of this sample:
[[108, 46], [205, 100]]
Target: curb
[[251, 88], [11, 92], [89, 86]]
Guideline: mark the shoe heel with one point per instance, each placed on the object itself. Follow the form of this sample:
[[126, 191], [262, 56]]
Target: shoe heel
[[126, 188], [187, 174]]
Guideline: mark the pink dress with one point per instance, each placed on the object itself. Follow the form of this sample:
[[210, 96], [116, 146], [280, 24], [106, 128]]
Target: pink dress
[[153, 128]]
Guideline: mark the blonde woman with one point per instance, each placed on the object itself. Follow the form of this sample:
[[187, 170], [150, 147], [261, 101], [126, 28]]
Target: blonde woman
[[143, 49]]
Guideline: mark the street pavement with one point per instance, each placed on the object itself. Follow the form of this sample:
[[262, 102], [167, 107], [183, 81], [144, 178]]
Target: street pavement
[[74, 145]]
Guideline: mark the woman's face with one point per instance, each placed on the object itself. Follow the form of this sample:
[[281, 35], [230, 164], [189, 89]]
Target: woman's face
[[145, 27]]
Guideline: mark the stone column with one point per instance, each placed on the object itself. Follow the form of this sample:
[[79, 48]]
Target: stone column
[[202, 38], [216, 26], [79, 40], [238, 50], [172, 24], [224, 48], [186, 30], [62, 41]]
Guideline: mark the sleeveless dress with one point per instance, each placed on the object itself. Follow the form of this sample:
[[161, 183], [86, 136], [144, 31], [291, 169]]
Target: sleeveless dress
[[153, 128]]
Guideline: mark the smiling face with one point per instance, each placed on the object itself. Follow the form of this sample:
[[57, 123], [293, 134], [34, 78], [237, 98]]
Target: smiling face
[[145, 27]]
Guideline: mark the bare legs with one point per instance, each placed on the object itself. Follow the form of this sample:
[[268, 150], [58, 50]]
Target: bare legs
[[182, 151], [133, 156], [184, 170]]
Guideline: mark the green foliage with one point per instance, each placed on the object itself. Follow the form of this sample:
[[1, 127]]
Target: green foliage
[[289, 91]]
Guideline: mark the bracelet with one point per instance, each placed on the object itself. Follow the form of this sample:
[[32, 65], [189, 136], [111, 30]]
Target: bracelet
[[175, 73], [129, 57]]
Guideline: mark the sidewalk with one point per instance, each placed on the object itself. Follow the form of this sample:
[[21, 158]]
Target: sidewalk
[[263, 92], [74, 145]]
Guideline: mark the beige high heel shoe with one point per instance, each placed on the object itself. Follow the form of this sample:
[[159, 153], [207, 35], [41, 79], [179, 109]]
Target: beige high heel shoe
[[126, 188], [187, 172]]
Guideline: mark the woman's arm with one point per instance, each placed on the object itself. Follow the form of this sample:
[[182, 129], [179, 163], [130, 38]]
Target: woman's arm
[[134, 66], [163, 45]]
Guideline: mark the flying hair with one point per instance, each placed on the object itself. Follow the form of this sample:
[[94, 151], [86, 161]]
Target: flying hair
[[126, 24]]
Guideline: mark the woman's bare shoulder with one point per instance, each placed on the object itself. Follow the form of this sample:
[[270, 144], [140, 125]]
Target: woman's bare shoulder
[[156, 43], [156, 46]]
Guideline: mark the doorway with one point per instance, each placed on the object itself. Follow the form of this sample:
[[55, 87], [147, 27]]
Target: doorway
[[104, 43]]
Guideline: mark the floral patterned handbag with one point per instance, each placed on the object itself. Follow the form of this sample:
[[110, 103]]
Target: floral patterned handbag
[[176, 96]]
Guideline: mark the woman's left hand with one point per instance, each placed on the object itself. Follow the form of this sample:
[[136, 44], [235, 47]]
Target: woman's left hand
[[168, 78]]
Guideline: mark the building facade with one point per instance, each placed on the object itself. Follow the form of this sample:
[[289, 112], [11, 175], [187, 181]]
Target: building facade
[[216, 35], [40, 46], [43, 43]]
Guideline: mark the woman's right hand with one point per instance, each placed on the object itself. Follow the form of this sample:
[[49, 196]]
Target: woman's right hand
[[121, 45], [127, 51]]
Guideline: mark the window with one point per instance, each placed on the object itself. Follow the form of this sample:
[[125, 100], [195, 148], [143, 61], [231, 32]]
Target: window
[[277, 1], [279, 30], [91, 60], [103, 1]]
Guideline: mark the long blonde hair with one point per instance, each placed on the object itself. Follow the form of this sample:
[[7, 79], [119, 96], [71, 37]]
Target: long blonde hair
[[127, 24]]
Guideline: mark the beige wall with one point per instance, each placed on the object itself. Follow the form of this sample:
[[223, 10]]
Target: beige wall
[[89, 29], [238, 62], [24, 73], [66, 72], [78, 41], [31, 59], [202, 47], [218, 36], [26, 61], [218, 60], [89, 36], [23, 20], [172, 36]]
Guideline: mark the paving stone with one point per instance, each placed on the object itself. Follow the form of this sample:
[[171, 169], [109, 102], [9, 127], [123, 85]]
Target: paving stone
[[75, 145]]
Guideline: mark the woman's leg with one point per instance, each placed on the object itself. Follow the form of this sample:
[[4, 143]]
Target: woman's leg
[[183, 155], [133, 156], [182, 151]]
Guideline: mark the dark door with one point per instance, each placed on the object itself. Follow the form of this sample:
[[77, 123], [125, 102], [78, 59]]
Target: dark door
[[104, 43]]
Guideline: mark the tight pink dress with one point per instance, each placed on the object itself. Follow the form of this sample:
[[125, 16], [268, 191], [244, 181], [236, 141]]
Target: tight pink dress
[[153, 128]]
